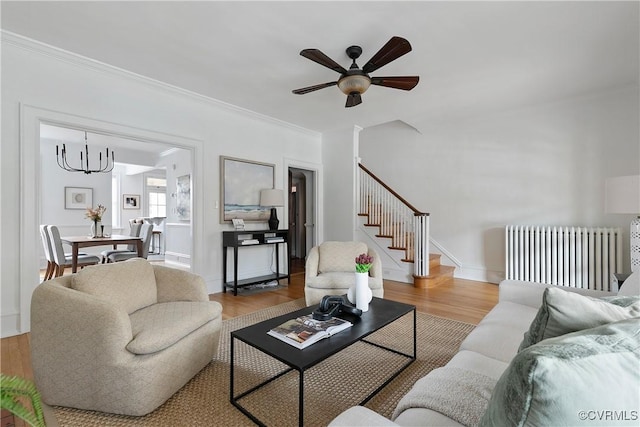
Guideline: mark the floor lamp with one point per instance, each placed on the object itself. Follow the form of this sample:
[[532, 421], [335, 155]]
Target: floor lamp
[[272, 198], [622, 196]]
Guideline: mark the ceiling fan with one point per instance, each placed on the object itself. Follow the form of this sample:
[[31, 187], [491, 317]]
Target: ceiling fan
[[355, 81]]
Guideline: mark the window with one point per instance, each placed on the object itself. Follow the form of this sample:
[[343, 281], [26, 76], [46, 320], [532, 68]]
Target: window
[[156, 196]]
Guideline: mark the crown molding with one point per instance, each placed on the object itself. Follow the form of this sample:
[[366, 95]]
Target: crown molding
[[28, 44]]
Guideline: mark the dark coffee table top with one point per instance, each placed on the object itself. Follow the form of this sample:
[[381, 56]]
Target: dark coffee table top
[[381, 313]]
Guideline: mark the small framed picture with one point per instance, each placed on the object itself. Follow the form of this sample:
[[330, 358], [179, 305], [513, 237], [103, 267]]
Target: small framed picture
[[78, 197], [130, 201]]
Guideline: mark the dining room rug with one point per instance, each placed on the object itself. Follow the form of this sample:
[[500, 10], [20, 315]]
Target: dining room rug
[[332, 386]]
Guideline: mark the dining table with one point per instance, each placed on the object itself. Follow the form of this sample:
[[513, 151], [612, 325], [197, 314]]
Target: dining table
[[114, 240]]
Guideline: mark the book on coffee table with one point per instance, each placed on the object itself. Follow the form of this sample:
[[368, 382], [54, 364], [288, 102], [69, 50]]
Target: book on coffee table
[[303, 331]]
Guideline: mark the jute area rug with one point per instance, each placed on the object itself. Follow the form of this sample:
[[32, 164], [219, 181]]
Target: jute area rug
[[330, 387]]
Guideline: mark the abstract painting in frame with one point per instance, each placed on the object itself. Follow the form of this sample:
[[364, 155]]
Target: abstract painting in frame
[[241, 182], [183, 197], [78, 197]]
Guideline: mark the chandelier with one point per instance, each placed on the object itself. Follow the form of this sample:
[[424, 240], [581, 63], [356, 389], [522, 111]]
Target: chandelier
[[84, 160]]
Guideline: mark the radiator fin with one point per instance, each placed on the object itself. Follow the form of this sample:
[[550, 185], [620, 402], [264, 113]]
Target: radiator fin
[[565, 256]]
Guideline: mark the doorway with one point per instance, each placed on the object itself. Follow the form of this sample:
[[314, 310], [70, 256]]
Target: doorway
[[301, 215]]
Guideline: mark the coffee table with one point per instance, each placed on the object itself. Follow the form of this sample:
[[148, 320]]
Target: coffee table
[[381, 313]]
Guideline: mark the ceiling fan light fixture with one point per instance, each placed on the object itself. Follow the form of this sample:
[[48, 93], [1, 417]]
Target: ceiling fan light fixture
[[354, 83]]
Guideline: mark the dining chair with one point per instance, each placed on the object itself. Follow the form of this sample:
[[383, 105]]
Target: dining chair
[[146, 232], [48, 252], [62, 259], [46, 243], [134, 231]]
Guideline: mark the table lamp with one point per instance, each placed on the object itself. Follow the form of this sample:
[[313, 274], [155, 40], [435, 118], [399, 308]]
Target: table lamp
[[272, 198], [622, 196]]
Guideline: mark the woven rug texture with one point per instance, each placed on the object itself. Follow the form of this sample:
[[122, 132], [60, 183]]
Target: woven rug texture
[[332, 386]]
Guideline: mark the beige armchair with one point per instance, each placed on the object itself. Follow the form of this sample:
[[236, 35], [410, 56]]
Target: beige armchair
[[330, 270], [121, 338]]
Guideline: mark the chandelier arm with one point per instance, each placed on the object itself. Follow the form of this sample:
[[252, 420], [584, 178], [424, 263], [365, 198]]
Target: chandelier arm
[[63, 163], [68, 167]]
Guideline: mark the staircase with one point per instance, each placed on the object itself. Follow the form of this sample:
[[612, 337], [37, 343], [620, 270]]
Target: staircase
[[400, 228]]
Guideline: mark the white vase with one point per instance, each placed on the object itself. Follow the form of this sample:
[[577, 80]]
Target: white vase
[[360, 294]]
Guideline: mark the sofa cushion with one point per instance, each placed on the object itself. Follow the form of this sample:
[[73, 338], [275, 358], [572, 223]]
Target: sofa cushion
[[161, 325], [130, 284], [500, 331], [460, 394], [562, 312], [479, 363], [589, 377], [336, 281], [340, 256]]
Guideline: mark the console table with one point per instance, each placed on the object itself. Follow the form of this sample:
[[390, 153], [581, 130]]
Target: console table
[[249, 238]]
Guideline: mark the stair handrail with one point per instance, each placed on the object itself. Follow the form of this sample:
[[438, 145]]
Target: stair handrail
[[413, 234], [392, 191]]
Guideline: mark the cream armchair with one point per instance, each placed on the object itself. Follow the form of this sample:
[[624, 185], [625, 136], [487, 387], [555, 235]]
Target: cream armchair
[[121, 338], [330, 270]]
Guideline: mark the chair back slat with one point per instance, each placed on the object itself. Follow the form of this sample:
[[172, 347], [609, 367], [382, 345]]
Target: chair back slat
[[46, 242], [56, 245], [145, 233], [134, 232]]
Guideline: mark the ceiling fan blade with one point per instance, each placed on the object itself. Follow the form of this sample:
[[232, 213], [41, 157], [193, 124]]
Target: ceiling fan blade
[[353, 99], [308, 89], [403, 82], [316, 56], [394, 49]]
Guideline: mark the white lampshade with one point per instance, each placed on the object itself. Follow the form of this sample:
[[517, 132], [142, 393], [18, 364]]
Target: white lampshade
[[271, 197], [622, 195]]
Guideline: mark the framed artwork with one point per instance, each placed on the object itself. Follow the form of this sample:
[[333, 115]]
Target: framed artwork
[[183, 197], [130, 201], [241, 182], [78, 197]]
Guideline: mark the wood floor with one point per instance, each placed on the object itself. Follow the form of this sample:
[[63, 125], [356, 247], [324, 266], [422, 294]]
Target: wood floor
[[463, 300]]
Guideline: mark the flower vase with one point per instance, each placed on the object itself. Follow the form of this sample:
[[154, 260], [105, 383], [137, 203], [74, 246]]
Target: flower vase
[[363, 294], [96, 229]]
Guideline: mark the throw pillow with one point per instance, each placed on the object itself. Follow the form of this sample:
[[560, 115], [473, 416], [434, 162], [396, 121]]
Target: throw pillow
[[130, 284], [589, 377], [562, 312], [339, 256]]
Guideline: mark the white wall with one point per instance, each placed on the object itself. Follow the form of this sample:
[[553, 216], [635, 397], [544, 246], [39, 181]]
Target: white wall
[[177, 232], [339, 149], [542, 165], [130, 184], [39, 83]]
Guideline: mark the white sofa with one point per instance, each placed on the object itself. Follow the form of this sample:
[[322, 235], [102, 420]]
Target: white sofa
[[466, 384]]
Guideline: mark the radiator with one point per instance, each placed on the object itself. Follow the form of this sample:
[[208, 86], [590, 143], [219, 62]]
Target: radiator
[[564, 256]]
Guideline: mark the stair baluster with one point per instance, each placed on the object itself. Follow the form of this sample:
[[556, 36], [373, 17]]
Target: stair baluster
[[396, 218]]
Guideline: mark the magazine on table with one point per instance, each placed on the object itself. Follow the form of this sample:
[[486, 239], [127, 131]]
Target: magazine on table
[[303, 331]]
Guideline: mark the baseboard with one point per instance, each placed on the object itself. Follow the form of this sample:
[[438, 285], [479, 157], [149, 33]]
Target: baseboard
[[478, 274], [10, 325], [177, 259], [396, 275]]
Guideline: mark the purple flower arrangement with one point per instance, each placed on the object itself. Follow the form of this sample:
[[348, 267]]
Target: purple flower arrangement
[[363, 263]]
